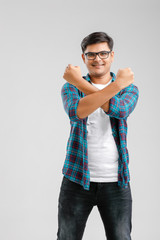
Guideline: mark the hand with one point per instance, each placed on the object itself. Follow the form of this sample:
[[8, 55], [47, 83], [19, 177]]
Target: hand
[[124, 78], [73, 75]]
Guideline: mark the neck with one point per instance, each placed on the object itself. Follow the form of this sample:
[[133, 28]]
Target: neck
[[101, 79]]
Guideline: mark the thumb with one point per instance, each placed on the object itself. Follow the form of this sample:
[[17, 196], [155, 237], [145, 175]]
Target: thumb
[[69, 65]]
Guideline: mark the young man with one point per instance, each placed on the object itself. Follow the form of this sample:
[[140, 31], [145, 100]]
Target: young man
[[96, 166]]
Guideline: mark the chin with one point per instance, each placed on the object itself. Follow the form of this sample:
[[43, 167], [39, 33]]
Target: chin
[[98, 74]]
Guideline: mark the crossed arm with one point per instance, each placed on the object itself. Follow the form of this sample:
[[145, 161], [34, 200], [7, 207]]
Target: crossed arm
[[88, 88], [118, 106]]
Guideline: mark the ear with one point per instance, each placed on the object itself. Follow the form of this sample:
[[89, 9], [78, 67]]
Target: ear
[[83, 57], [112, 56]]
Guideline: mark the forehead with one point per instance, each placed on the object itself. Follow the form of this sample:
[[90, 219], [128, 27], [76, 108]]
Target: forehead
[[97, 47]]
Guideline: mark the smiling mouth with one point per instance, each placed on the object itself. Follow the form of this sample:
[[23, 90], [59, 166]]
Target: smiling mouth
[[97, 65]]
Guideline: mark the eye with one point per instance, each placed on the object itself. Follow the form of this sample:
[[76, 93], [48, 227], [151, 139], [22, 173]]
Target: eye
[[90, 54], [103, 54]]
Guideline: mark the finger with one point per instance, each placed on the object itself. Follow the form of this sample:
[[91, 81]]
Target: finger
[[68, 66]]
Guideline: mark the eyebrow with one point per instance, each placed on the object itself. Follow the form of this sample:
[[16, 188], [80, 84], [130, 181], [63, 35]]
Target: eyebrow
[[100, 51]]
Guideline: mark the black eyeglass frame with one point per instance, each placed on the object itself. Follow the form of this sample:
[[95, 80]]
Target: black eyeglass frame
[[97, 53]]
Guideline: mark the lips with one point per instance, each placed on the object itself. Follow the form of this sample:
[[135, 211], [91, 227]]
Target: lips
[[97, 65]]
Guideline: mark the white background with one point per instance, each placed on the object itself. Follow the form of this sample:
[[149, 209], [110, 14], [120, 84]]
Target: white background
[[37, 40]]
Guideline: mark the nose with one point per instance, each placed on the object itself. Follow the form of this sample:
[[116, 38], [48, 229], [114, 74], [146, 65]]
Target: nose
[[97, 58]]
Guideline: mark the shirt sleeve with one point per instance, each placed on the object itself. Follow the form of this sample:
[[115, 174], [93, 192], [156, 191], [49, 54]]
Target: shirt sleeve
[[70, 98], [121, 105]]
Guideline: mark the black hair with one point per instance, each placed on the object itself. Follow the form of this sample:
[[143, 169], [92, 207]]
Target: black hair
[[96, 37]]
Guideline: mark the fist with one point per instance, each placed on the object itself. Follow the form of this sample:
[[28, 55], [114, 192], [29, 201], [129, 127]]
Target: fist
[[72, 74], [124, 78]]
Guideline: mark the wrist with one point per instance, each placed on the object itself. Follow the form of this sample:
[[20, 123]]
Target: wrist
[[117, 86], [79, 82]]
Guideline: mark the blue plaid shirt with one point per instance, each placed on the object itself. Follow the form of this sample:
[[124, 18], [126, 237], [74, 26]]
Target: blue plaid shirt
[[120, 106]]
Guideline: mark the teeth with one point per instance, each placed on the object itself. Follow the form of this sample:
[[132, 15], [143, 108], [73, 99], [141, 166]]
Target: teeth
[[98, 65]]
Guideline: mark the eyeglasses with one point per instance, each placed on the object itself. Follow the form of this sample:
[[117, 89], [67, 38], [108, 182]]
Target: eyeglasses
[[102, 55]]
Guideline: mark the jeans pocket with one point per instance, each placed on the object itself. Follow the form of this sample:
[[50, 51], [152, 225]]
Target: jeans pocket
[[69, 185]]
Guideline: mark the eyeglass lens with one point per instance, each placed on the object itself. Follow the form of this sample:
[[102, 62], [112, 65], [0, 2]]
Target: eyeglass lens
[[102, 55]]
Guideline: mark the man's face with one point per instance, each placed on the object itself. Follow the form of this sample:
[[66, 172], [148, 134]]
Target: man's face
[[98, 67]]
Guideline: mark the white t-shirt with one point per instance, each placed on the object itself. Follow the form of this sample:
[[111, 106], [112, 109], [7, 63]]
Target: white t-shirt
[[102, 149]]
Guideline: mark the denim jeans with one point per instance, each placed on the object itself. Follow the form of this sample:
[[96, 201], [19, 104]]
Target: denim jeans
[[75, 204]]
